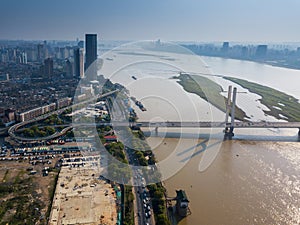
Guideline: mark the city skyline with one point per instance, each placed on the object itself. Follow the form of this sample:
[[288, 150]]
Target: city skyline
[[257, 21]]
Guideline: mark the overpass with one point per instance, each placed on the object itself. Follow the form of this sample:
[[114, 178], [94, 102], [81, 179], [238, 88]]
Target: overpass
[[14, 128]]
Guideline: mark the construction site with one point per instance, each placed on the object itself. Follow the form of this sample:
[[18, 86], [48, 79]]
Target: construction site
[[82, 197]]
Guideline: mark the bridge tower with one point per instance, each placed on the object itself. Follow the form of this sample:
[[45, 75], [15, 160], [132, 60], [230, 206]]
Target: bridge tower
[[228, 105], [229, 130]]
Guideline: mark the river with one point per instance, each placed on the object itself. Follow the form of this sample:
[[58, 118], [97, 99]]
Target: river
[[254, 179]]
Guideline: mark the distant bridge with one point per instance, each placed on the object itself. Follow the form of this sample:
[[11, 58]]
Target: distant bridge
[[228, 126]]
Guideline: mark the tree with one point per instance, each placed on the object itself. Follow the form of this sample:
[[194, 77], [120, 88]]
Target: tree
[[50, 130], [162, 220], [158, 194], [28, 132]]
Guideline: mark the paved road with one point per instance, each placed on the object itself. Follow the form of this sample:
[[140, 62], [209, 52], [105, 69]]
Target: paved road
[[141, 194], [139, 189]]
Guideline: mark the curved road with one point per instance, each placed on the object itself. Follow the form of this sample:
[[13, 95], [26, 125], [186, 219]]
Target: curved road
[[11, 130]]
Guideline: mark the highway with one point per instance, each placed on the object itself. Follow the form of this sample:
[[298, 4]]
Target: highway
[[140, 193], [140, 200]]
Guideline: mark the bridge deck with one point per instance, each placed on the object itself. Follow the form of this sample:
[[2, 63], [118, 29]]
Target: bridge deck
[[220, 124], [195, 124]]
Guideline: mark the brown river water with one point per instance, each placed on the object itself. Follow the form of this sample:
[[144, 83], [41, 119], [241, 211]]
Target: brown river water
[[249, 182], [254, 179]]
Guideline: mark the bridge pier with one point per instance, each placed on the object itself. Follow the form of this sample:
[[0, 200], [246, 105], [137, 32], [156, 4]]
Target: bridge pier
[[228, 133], [156, 131]]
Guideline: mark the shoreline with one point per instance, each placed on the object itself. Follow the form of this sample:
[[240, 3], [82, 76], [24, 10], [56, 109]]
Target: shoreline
[[209, 91], [282, 106], [268, 63]]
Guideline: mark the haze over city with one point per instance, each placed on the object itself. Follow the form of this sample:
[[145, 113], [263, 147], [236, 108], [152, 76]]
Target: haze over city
[[149, 112], [189, 20]]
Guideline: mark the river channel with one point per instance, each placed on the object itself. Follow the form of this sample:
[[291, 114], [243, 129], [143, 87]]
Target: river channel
[[253, 179]]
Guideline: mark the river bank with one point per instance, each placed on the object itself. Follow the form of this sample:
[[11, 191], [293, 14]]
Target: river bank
[[208, 90], [280, 105]]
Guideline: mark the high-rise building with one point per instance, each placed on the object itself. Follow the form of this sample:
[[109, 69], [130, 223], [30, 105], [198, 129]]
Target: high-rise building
[[261, 51], [68, 69], [244, 52], [78, 63], [24, 58], [90, 49], [225, 47], [48, 68], [40, 52]]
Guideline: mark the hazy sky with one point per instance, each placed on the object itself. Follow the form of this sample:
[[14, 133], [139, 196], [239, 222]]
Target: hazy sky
[[186, 20]]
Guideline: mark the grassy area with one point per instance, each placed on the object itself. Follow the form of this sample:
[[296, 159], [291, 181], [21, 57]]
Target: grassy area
[[22, 204], [35, 131], [129, 211], [207, 90], [273, 98], [24, 198]]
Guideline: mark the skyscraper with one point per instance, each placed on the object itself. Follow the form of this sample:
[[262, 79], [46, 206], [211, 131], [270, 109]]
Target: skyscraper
[[48, 68], [23, 58], [261, 51], [40, 52], [225, 47], [78, 63], [68, 69], [90, 49]]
